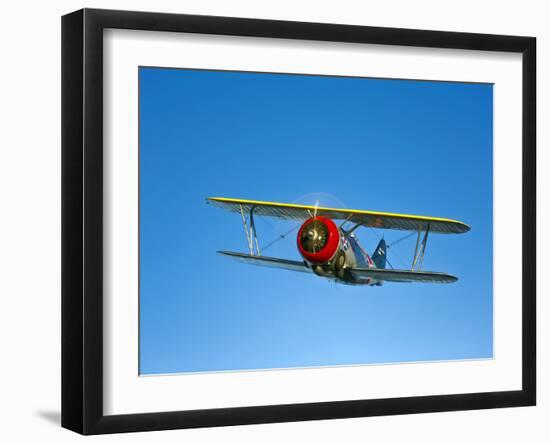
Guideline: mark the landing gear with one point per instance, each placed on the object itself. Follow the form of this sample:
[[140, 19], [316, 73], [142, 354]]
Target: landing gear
[[339, 264]]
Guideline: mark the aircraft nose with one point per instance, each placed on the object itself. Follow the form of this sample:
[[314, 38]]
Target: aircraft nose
[[313, 236]]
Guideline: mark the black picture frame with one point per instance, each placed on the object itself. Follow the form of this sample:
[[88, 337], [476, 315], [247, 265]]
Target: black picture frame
[[82, 218]]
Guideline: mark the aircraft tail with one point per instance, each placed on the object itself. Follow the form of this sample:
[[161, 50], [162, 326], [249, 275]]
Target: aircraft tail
[[379, 255]]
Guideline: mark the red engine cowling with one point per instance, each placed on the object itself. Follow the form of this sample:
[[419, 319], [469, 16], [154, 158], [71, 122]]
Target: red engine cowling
[[318, 239]]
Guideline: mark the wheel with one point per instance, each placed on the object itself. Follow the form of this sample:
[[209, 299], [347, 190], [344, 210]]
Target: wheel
[[339, 263]]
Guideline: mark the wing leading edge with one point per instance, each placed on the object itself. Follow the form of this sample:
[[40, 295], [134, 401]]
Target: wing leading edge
[[402, 275], [373, 219]]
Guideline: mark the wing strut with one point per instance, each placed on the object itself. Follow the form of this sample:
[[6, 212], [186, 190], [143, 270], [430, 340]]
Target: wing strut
[[420, 249], [251, 235]]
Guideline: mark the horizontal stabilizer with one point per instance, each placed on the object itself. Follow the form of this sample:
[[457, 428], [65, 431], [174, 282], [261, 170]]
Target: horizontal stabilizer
[[271, 262], [402, 275]]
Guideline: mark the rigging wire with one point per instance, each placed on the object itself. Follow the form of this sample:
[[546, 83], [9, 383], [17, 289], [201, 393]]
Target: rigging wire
[[388, 262], [401, 239], [281, 237]]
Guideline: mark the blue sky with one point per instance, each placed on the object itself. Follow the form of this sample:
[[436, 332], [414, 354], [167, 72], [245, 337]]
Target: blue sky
[[416, 147]]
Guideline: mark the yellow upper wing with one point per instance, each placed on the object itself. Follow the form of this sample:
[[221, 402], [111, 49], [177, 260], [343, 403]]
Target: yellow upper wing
[[373, 219]]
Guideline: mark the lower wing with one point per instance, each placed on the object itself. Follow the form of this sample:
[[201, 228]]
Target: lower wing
[[392, 275], [271, 262], [402, 275]]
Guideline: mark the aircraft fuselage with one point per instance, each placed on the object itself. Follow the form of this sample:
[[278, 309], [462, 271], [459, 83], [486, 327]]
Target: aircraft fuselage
[[329, 251]]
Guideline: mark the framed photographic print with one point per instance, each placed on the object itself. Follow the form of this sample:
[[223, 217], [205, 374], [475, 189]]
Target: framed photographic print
[[269, 221]]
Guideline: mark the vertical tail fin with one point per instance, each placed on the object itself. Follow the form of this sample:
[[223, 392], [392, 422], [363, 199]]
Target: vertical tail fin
[[379, 255]]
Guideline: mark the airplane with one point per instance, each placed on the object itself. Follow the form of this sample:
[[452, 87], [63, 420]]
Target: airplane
[[334, 252]]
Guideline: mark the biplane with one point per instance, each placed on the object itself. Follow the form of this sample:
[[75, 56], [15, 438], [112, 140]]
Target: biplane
[[333, 251]]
